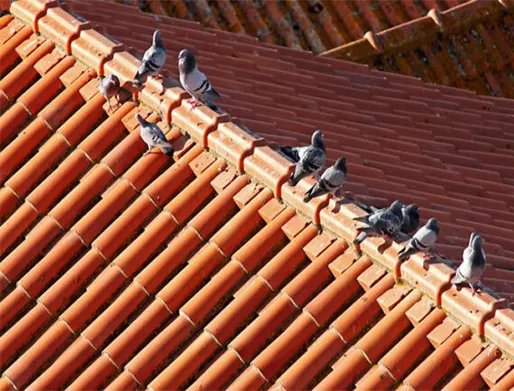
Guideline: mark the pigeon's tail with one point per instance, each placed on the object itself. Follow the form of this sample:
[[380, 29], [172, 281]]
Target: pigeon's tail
[[406, 252], [362, 219], [458, 278], [213, 94], [314, 191], [360, 238], [167, 149], [293, 181], [290, 152]]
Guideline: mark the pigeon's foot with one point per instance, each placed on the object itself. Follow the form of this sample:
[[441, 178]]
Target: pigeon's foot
[[194, 103]]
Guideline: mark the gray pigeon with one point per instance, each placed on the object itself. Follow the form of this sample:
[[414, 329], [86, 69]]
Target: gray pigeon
[[424, 240], [410, 218], [109, 87], [153, 60], [330, 180], [195, 82], [308, 159], [153, 136], [472, 267], [387, 221]]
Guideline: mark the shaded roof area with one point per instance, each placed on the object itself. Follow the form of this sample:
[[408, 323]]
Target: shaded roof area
[[446, 149], [130, 271], [469, 46], [314, 25]]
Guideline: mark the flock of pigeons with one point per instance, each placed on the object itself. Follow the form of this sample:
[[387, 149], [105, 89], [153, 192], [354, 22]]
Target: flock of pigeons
[[193, 81], [310, 159]]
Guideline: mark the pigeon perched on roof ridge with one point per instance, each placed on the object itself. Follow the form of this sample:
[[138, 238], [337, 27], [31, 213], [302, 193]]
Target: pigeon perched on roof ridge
[[309, 159], [332, 179], [109, 86], [424, 240], [410, 218], [195, 82], [387, 221], [153, 136], [472, 268], [153, 60]]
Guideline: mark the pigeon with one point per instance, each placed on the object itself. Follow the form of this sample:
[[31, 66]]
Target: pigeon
[[195, 82], [387, 221], [410, 218], [109, 87], [308, 159], [424, 240], [472, 267], [330, 180], [153, 136], [153, 60]]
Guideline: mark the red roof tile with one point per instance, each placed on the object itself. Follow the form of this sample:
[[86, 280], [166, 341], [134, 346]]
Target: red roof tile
[[120, 271], [466, 45]]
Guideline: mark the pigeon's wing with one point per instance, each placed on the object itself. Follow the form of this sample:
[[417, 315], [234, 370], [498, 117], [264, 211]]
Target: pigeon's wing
[[312, 159], [152, 135], [333, 178], [426, 237], [154, 59], [291, 153], [461, 274], [390, 223], [196, 83]]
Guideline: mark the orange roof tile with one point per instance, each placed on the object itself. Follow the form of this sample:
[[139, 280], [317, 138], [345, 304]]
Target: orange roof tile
[[467, 46], [120, 271], [315, 25]]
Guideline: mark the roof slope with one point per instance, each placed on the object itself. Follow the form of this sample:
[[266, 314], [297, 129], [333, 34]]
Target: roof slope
[[315, 25], [130, 271], [468, 46], [448, 150]]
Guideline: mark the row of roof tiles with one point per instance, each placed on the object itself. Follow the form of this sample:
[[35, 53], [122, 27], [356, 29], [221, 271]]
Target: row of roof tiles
[[465, 44], [468, 46], [315, 25], [131, 271], [401, 136]]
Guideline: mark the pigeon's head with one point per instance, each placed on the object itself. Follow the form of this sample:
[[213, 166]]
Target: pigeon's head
[[317, 139], [341, 164], [157, 41], [433, 224], [140, 119], [186, 61], [477, 242], [412, 209], [396, 208]]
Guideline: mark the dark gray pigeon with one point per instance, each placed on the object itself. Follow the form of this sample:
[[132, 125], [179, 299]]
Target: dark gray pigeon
[[153, 136], [109, 87], [472, 267], [332, 179], [153, 60], [195, 82], [424, 240], [410, 218], [387, 221], [308, 159]]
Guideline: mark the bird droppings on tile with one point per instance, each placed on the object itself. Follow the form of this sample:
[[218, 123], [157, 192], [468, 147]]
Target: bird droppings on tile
[[203, 236]]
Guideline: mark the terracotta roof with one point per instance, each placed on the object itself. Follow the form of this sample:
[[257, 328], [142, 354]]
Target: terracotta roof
[[468, 46], [462, 43], [315, 25], [121, 271], [444, 148]]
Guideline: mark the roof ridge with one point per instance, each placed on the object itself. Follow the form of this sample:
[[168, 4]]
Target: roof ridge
[[253, 156], [400, 37]]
